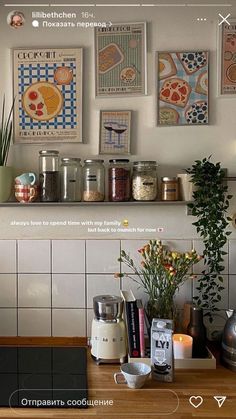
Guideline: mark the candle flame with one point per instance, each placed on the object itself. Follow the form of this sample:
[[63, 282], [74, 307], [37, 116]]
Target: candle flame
[[180, 338]]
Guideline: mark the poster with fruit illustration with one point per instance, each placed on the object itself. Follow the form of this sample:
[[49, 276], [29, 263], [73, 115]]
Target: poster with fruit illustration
[[227, 58], [48, 92], [182, 92], [120, 58]]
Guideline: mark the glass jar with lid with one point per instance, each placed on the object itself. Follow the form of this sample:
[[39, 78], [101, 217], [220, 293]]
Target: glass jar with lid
[[93, 180], [144, 181], [169, 188], [49, 177], [71, 173], [119, 180]]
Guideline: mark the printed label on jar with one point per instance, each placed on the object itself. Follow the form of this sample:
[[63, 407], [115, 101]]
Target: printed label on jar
[[91, 178]]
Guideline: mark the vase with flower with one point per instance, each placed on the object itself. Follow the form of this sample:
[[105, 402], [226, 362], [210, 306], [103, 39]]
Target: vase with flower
[[161, 273]]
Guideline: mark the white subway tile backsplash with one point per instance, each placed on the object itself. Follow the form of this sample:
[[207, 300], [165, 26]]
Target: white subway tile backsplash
[[34, 322], [34, 256], [102, 255], [131, 247], [223, 304], [55, 290], [184, 294], [8, 256], [101, 284], [232, 257], [180, 245], [68, 256], [68, 322], [68, 290], [8, 322], [34, 290], [8, 290]]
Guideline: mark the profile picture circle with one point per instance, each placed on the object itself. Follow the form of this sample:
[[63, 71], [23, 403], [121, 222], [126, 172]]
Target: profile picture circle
[[16, 19]]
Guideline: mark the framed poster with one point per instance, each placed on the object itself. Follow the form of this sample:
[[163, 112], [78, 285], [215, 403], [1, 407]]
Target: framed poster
[[48, 92], [115, 132], [120, 59], [182, 88], [227, 59]]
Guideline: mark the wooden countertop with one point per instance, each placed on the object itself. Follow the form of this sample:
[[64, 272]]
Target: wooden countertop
[[155, 400]]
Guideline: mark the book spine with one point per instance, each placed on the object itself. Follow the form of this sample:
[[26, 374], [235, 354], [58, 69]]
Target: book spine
[[132, 319], [141, 331]]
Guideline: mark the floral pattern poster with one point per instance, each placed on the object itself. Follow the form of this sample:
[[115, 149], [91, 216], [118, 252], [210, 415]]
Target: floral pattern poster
[[182, 92], [48, 95]]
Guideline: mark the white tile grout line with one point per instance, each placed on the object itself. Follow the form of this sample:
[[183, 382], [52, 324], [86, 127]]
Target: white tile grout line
[[85, 287], [17, 289], [51, 250]]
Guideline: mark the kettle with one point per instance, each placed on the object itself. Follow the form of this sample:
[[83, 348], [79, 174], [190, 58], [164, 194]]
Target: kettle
[[228, 345], [108, 337]]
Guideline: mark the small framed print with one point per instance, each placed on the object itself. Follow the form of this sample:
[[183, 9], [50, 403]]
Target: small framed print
[[227, 59], [115, 127], [48, 92], [120, 59], [182, 88]]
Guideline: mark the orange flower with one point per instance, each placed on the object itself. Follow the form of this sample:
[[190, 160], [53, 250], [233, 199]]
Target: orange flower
[[147, 248]]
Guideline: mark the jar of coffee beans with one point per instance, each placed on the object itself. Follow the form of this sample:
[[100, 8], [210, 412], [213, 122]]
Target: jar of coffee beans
[[49, 177], [119, 180]]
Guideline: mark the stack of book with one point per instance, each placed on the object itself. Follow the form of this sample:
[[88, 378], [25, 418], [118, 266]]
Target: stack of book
[[134, 317]]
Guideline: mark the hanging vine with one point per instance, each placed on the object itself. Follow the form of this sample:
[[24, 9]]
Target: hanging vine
[[210, 205]]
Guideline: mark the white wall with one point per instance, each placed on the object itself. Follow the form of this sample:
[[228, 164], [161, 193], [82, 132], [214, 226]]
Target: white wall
[[174, 148]]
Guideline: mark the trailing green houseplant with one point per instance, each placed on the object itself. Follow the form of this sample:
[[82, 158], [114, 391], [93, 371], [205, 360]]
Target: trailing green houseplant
[[210, 205], [6, 131]]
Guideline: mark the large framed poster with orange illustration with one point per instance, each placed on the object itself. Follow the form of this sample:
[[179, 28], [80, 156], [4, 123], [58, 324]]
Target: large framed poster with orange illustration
[[227, 58], [182, 88], [48, 95]]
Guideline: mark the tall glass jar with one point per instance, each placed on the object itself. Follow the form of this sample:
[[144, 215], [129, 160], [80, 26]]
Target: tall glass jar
[[49, 177], [71, 173], [144, 181], [93, 180], [119, 180]]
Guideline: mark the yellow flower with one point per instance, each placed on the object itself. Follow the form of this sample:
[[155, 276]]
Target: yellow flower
[[188, 255]]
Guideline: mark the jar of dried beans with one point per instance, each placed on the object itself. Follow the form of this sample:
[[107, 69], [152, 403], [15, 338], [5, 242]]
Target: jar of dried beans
[[144, 181], [93, 180], [119, 180]]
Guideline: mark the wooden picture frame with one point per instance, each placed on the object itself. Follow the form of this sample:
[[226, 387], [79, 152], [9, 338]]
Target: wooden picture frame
[[182, 88], [115, 132], [120, 60], [48, 95], [226, 59]]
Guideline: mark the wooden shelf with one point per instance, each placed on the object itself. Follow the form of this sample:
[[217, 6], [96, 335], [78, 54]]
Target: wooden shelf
[[82, 204]]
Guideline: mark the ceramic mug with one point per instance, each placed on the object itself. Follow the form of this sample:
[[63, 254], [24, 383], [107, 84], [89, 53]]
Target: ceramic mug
[[26, 193], [26, 179], [134, 374]]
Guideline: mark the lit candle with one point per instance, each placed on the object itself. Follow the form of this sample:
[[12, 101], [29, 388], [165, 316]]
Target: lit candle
[[182, 346]]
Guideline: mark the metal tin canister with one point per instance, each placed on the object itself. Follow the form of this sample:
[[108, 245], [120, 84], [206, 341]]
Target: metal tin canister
[[169, 189]]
